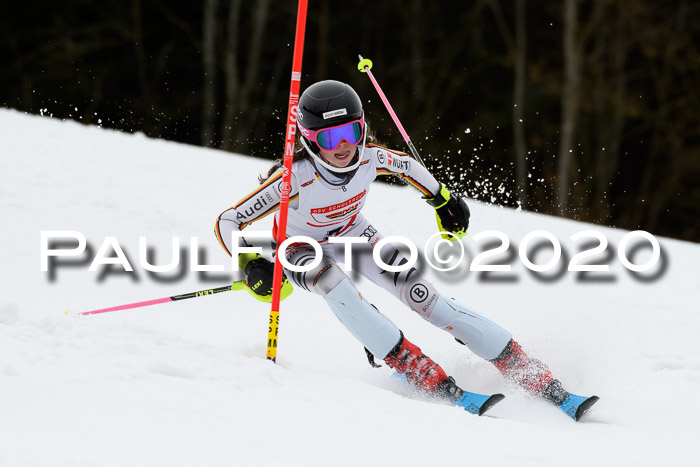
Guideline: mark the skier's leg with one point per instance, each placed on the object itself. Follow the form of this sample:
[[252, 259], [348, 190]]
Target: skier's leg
[[374, 330], [482, 336], [529, 373], [491, 342]]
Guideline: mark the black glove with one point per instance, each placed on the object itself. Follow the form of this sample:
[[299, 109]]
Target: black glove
[[260, 276], [260, 273], [452, 213]]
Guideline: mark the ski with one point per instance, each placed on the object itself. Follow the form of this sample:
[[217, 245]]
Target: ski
[[472, 402], [478, 404], [576, 406], [571, 404]]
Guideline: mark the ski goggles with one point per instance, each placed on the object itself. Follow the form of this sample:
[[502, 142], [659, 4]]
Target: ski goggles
[[330, 138]]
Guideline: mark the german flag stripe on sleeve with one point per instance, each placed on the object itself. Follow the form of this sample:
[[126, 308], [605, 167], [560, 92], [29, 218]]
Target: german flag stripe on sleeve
[[267, 183], [372, 145], [418, 186], [218, 232], [410, 180], [263, 214]]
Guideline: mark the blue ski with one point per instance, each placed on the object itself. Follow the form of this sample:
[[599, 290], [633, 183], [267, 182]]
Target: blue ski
[[576, 406], [472, 402], [478, 404]]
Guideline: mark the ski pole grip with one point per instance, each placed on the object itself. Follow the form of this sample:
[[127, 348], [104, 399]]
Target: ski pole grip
[[364, 65]]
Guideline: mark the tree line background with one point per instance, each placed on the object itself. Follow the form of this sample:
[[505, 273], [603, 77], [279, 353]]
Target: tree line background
[[584, 109]]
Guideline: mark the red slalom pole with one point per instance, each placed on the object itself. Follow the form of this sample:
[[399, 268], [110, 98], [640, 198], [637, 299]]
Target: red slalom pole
[[281, 233]]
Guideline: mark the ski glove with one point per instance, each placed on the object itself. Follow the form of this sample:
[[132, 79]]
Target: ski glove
[[260, 274], [452, 213]]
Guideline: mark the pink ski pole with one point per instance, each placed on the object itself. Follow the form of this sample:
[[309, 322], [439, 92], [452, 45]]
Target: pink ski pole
[[365, 66], [237, 285], [156, 301]]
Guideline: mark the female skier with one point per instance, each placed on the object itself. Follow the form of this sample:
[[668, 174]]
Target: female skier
[[329, 185]]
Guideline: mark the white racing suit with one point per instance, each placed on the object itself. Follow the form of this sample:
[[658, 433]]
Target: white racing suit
[[320, 209]]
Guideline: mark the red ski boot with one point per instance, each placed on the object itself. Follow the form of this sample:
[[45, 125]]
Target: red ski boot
[[534, 376], [421, 372], [424, 374], [529, 373]]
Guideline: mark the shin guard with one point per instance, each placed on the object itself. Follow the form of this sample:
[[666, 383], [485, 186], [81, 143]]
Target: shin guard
[[374, 330]]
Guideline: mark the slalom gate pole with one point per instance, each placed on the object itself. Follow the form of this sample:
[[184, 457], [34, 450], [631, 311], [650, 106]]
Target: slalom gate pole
[[174, 298], [365, 66], [281, 233]]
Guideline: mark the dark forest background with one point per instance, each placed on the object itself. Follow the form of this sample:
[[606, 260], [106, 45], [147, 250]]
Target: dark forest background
[[585, 109]]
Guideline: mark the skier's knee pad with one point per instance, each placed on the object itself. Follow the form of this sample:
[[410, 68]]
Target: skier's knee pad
[[483, 337], [374, 330], [319, 280], [420, 295]]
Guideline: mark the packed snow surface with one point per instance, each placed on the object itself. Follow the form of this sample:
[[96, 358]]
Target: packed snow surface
[[187, 383]]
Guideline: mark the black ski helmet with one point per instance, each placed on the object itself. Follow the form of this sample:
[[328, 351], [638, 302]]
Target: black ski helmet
[[327, 104]]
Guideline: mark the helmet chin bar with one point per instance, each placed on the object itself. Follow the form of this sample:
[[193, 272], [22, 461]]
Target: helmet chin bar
[[318, 158]]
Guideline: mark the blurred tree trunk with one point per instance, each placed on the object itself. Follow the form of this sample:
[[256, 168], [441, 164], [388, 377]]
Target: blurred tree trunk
[[519, 101], [322, 43], [666, 158], [610, 96], [252, 76], [570, 100], [576, 36], [444, 86], [141, 64], [517, 48], [417, 83], [231, 74], [209, 68], [271, 91]]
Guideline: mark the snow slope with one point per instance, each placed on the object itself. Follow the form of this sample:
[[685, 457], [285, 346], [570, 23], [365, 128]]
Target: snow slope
[[187, 383]]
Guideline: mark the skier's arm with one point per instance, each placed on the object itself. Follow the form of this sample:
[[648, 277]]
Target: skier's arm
[[260, 203], [390, 162], [452, 212]]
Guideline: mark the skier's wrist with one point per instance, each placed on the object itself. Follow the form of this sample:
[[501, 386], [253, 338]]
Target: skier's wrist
[[245, 260], [451, 212], [440, 199]]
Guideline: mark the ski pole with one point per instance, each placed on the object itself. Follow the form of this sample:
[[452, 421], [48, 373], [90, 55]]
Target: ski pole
[[365, 66], [273, 329], [174, 298], [237, 285]]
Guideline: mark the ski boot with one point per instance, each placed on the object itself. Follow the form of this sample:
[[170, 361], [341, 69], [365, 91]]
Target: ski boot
[[421, 372], [537, 380]]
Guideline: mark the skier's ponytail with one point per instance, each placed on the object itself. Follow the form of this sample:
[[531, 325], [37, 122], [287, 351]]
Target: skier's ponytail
[[299, 154]]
